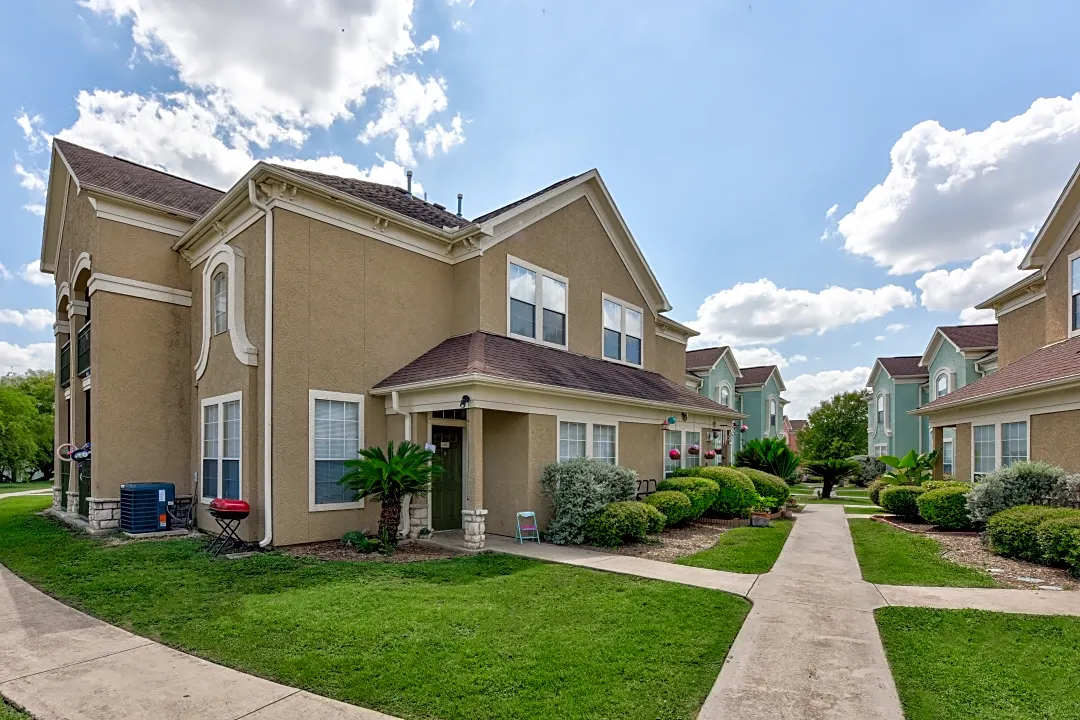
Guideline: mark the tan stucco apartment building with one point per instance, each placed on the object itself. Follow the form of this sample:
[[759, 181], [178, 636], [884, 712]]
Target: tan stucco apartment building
[[246, 343], [1029, 407]]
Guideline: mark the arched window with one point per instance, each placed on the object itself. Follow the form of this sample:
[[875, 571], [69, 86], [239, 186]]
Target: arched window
[[881, 411], [772, 416], [941, 384], [220, 288], [725, 396]]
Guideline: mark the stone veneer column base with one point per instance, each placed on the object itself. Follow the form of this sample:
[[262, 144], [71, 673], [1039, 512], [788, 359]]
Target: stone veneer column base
[[472, 521], [57, 497], [73, 503], [418, 519], [104, 515]]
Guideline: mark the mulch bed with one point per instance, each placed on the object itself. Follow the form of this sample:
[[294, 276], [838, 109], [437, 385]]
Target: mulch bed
[[336, 550], [673, 544]]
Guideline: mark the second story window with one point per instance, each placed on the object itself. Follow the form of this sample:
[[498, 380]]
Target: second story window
[[622, 331], [881, 411], [725, 396], [941, 385], [1074, 295], [220, 292], [772, 416], [537, 304]]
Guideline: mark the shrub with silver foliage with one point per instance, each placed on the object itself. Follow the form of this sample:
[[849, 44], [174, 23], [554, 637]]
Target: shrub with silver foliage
[[870, 469], [580, 488], [1023, 483]]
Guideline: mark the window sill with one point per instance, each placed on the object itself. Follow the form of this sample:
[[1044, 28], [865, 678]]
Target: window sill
[[639, 366], [329, 507], [534, 341]]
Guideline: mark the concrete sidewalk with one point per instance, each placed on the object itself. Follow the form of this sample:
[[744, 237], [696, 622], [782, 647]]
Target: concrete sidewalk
[[1030, 602], [24, 493], [59, 664], [809, 647]]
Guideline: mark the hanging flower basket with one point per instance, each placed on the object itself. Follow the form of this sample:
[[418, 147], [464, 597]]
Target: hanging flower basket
[[694, 449], [710, 455], [674, 454], [743, 428]]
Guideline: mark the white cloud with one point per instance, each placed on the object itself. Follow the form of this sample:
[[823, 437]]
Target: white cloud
[[20, 358], [34, 209], [4, 272], [32, 181], [857, 343], [971, 316], [459, 25], [411, 101], [35, 319], [760, 312], [751, 357], [30, 125], [879, 338], [895, 327], [951, 195], [825, 235], [31, 273], [440, 138], [388, 173], [811, 389], [965, 287], [832, 211]]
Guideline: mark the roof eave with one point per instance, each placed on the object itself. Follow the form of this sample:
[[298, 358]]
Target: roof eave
[[1054, 384]]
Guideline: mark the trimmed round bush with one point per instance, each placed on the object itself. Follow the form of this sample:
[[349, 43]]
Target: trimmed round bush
[[875, 488], [675, 506], [870, 469], [938, 484], [945, 507], [1022, 483], [902, 500], [768, 485], [622, 521], [577, 490], [701, 492], [736, 491], [1015, 532], [1059, 541]]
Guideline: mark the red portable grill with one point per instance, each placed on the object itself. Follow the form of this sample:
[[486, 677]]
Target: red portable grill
[[229, 514]]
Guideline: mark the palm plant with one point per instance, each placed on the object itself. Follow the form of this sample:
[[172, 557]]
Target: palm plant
[[912, 469], [387, 477], [832, 472], [771, 455]]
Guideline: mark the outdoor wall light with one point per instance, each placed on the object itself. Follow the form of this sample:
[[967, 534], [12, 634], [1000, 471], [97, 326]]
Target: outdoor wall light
[[464, 401]]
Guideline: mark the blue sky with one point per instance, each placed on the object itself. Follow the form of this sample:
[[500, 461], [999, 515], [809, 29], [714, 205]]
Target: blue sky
[[727, 132]]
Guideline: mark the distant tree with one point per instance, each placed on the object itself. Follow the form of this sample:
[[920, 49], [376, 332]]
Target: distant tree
[[26, 426], [836, 428]]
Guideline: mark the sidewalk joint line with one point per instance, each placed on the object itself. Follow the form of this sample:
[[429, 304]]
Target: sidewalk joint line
[[273, 702], [80, 662]]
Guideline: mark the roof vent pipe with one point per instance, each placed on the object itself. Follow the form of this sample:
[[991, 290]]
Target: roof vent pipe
[[459, 196], [408, 181]]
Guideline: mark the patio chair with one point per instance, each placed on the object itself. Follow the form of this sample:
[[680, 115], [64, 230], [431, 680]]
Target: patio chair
[[526, 527]]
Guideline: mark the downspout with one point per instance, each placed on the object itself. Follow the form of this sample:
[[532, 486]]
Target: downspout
[[407, 500], [268, 367]]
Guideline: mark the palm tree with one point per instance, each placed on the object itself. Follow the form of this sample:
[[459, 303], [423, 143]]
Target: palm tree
[[831, 472], [388, 477]]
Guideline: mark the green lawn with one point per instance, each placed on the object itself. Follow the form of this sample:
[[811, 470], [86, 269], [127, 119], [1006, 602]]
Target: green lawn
[[20, 487], [981, 665], [487, 636], [870, 510], [836, 501], [894, 557], [9, 713], [743, 550]]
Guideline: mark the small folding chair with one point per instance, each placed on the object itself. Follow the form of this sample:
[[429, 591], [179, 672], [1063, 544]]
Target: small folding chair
[[526, 527]]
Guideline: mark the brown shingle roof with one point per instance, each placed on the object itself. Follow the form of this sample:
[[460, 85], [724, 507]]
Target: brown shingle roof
[[1057, 362], [387, 196], [499, 211], [703, 358], [124, 177], [905, 366], [754, 375], [797, 424], [972, 337], [481, 353]]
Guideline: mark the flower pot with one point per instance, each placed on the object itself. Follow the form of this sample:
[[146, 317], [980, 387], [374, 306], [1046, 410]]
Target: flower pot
[[759, 519]]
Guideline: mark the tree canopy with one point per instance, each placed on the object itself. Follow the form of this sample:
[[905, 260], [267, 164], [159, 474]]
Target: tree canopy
[[836, 428], [26, 426]]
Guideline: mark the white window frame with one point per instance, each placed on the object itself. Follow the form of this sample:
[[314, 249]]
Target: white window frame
[[588, 421], [622, 332], [538, 307], [221, 273], [952, 466], [314, 395], [997, 421], [1072, 291], [720, 394], [220, 401], [881, 449], [772, 417], [885, 424], [944, 372]]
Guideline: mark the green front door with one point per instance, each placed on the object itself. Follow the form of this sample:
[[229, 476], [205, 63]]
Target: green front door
[[84, 488], [446, 491]]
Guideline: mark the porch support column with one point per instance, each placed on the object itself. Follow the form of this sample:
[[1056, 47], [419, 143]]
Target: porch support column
[[472, 518], [938, 438]]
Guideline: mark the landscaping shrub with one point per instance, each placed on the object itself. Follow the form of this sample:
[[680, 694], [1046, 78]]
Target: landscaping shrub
[[622, 521], [675, 506], [1015, 532], [945, 507], [875, 488], [362, 543], [902, 500], [700, 491], [579, 489], [771, 455], [767, 484], [736, 491], [1059, 541], [1022, 483], [938, 484], [870, 469]]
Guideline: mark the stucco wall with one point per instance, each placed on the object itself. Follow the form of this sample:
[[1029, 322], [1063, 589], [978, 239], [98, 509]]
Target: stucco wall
[[905, 426], [570, 242], [1054, 439], [670, 359], [949, 359], [1021, 332], [508, 486], [1057, 292], [140, 254], [963, 452], [641, 448], [341, 303]]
